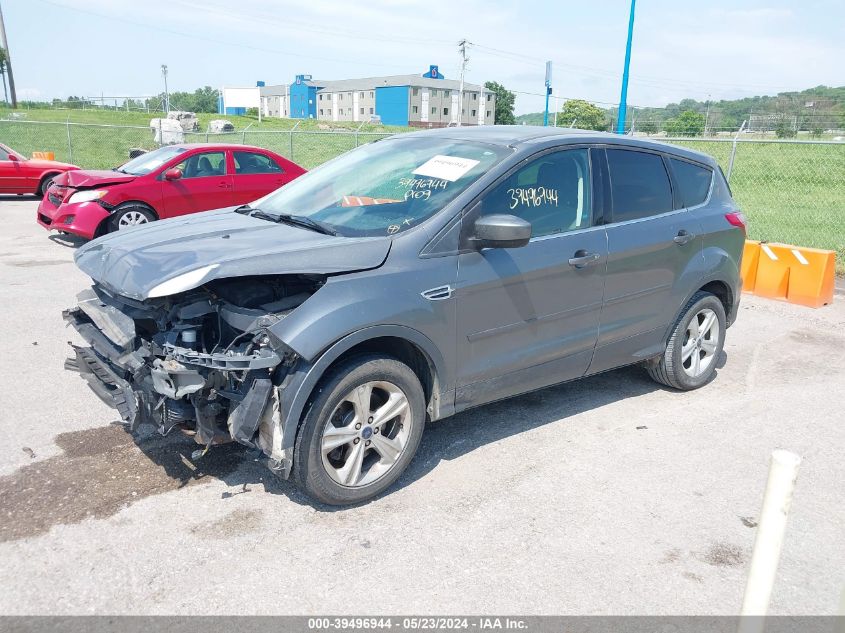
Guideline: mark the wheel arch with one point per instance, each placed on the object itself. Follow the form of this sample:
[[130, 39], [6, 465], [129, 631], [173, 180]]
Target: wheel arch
[[403, 343], [717, 286], [102, 227]]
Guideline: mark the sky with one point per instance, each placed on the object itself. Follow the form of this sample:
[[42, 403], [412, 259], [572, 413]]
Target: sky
[[721, 49]]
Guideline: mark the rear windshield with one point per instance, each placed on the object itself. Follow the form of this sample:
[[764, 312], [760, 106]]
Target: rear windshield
[[693, 181]]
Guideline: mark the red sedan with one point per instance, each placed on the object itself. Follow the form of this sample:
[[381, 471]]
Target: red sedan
[[168, 182], [20, 175]]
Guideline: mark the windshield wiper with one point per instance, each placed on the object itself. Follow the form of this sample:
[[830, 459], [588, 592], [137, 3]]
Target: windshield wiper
[[287, 218]]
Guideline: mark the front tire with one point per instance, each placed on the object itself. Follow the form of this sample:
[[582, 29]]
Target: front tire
[[695, 345], [130, 215], [44, 186], [361, 431]]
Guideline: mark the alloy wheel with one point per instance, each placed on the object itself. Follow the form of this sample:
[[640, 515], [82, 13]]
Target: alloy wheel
[[366, 434], [701, 340], [131, 218]]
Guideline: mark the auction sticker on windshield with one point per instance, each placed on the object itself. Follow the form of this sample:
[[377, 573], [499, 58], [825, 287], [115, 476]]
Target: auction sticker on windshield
[[446, 167]]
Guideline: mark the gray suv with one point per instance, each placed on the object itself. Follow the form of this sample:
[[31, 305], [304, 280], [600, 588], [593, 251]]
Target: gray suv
[[415, 277]]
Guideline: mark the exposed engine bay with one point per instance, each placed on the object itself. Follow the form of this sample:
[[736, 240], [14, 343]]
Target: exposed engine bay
[[203, 361]]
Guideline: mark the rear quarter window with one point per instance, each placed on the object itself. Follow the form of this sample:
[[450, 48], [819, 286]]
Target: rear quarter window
[[693, 181]]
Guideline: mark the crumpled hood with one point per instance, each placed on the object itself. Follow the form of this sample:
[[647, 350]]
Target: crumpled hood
[[226, 244], [91, 178]]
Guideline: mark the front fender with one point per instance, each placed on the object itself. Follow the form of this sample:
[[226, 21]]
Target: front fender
[[299, 385]]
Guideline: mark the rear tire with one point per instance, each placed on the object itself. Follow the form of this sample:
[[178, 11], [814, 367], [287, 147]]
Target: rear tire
[[130, 215], [361, 430], [695, 345]]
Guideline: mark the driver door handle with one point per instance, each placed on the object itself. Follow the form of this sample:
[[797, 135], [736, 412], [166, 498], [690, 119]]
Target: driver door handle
[[683, 237], [582, 258]]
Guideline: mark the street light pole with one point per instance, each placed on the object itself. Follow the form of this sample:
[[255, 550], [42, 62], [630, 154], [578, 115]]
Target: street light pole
[[623, 100], [166, 94], [5, 44], [548, 92]]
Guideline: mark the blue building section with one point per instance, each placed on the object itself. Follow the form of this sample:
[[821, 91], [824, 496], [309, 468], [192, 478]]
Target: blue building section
[[392, 104], [303, 100]]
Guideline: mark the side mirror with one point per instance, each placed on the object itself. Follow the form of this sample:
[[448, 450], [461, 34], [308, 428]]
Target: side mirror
[[173, 174], [13, 158], [501, 231]]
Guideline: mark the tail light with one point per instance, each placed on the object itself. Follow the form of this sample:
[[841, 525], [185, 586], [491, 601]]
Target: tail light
[[737, 219]]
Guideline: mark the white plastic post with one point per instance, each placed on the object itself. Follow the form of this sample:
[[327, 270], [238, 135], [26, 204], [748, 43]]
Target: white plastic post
[[777, 500]]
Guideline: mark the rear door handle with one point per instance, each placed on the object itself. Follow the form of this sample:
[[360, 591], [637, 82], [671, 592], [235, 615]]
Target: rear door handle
[[683, 237], [582, 258], [224, 185]]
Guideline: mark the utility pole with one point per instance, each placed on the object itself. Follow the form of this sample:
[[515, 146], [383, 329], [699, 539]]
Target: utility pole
[[707, 115], [166, 94], [548, 92], [623, 101], [462, 47], [5, 44]]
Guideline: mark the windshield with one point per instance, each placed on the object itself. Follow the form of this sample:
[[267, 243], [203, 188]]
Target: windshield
[[385, 187], [145, 163]]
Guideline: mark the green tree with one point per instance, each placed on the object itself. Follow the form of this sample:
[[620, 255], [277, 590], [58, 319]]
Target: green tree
[[688, 123], [583, 115], [504, 103], [647, 127], [784, 129]]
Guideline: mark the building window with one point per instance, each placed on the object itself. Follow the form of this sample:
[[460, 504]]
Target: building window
[[371, 94], [362, 109], [340, 97], [321, 111], [361, 96], [488, 114], [434, 110], [371, 110], [473, 114], [416, 91], [463, 111], [433, 93], [475, 96], [489, 96], [446, 93], [445, 111], [415, 109], [350, 96]]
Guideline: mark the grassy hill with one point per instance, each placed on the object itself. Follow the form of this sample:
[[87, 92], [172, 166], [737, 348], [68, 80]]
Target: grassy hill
[[817, 109]]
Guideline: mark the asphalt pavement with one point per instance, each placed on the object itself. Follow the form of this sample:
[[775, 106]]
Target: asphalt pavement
[[610, 495]]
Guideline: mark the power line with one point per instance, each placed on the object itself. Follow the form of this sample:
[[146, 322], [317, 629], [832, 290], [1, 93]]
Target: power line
[[214, 39]]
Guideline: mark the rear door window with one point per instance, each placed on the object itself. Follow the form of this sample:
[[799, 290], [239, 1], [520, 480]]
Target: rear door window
[[254, 163], [693, 181], [639, 184]]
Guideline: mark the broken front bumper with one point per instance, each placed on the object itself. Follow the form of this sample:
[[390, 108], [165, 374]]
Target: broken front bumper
[[169, 386]]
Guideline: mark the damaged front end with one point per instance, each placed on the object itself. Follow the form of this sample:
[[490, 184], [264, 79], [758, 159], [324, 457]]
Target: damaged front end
[[204, 361]]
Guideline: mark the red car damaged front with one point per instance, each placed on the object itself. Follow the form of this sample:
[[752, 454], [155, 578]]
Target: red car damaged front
[[75, 202], [171, 181]]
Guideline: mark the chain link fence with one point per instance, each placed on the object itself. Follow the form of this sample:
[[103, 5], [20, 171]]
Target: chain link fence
[[791, 191]]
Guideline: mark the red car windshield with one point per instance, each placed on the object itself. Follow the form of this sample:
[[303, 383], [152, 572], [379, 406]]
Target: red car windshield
[[149, 162]]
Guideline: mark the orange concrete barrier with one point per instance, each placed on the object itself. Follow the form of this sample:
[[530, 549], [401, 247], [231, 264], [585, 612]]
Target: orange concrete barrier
[[811, 280], [748, 270], [772, 274], [44, 155], [804, 276]]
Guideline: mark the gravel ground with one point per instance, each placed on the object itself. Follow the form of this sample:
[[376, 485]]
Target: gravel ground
[[610, 495]]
